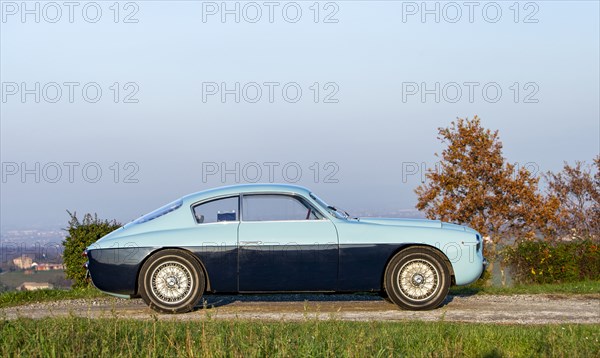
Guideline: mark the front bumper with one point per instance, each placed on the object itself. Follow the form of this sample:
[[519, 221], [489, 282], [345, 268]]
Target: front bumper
[[485, 265]]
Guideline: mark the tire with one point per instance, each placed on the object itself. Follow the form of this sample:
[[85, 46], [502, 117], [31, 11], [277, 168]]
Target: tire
[[417, 279], [171, 281]]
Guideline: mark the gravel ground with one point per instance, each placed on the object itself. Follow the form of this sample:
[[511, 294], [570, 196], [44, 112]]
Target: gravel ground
[[503, 309]]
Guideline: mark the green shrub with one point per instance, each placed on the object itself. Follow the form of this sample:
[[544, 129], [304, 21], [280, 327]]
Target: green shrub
[[484, 281], [553, 262], [82, 234]]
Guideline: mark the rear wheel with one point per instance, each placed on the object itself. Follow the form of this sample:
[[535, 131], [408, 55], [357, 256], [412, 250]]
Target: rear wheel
[[417, 279], [171, 281]]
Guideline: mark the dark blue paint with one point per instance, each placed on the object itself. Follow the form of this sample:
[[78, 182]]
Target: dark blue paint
[[264, 268], [362, 266], [116, 270], [220, 263]]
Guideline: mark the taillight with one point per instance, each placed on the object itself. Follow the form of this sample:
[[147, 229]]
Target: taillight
[[85, 254]]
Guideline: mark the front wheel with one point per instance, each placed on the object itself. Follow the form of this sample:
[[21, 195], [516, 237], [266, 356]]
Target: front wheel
[[417, 279], [171, 281]]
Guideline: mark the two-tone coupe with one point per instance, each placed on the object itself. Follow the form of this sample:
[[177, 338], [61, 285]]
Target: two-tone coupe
[[279, 238]]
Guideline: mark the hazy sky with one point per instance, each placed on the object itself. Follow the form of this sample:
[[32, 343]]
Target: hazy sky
[[350, 93]]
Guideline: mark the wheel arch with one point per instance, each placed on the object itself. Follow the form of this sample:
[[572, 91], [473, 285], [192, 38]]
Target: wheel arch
[[143, 262], [424, 246]]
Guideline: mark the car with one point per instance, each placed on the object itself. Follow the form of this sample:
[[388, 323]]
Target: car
[[271, 238]]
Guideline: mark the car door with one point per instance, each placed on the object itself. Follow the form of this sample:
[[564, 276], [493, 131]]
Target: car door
[[285, 244], [216, 230]]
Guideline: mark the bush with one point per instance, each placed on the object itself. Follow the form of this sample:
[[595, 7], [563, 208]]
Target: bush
[[557, 262], [82, 234]]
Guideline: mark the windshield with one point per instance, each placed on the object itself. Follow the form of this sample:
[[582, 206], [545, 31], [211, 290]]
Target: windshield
[[160, 212], [335, 211]]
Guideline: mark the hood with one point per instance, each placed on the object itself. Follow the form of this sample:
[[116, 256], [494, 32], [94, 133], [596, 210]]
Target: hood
[[416, 223]]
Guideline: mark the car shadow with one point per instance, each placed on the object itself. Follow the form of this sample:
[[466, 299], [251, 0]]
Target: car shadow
[[460, 291], [447, 300], [464, 291], [218, 300]]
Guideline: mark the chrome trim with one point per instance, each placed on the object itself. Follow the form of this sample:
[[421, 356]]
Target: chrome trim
[[485, 265]]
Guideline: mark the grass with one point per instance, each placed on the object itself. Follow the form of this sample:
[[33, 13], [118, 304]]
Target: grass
[[15, 298], [74, 336], [121, 337], [581, 287]]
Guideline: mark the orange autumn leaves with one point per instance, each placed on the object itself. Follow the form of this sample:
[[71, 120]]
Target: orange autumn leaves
[[474, 185]]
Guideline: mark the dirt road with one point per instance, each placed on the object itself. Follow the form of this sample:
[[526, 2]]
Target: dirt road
[[513, 309]]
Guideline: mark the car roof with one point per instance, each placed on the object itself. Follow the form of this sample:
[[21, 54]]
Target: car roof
[[246, 188]]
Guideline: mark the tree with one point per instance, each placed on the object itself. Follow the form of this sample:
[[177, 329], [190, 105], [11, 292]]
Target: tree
[[81, 234], [578, 192], [474, 185]]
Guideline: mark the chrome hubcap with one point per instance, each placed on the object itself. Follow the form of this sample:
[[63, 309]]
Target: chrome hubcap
[[171, 282], [418, 279]]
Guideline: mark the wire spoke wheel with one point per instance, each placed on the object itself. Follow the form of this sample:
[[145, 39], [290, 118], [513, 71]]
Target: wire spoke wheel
[[418, 279], [171, 282]]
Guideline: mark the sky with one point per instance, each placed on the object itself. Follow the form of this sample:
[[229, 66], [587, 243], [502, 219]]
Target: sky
[[117, 108]]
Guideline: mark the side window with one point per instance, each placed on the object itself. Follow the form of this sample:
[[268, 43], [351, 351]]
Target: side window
[[275, 208], [217, 210]]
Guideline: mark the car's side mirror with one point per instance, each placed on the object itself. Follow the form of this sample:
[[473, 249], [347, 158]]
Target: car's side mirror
[[200, 219]]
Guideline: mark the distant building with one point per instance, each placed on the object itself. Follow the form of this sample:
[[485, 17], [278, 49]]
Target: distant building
[[48, 267], [23, 262], [32, 286]]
